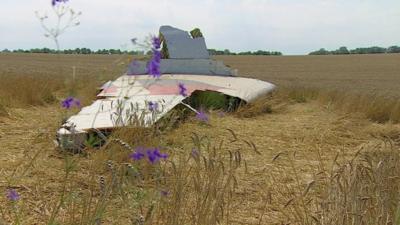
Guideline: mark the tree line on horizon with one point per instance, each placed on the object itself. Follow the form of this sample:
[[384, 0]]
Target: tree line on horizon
[[227, 52], [340, 51], [83, 51], [87, 51], [369, 50]]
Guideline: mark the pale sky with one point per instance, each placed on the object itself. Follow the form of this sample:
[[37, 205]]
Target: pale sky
[[289, 26]]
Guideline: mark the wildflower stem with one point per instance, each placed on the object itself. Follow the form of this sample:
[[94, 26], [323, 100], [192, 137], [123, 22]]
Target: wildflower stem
[[17, 215], [68, 169]]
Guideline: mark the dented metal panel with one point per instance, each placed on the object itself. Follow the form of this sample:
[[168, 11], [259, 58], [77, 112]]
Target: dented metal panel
[[127, 98], [117, 112], [244, 88]]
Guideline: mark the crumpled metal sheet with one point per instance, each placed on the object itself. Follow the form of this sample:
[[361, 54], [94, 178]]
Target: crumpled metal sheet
[[127, 98]]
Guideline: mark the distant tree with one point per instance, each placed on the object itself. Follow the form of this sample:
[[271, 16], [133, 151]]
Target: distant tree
[[216, 52], [102, 51], [118, 51], [85, 51], [276, 53], [227, 52], [321, 51], [68, 51], [47, 50], [369, 50], [358, 51], [19, 51], [260, 52], [376, 50], [245, 53], [393, 49], [341, 51]]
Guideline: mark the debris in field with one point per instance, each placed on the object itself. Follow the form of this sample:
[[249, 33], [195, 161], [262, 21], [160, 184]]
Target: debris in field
[[183, 46], [183, 54], [126, 100]]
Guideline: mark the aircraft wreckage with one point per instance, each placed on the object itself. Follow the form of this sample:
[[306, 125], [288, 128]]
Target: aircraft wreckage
[[186, 64]]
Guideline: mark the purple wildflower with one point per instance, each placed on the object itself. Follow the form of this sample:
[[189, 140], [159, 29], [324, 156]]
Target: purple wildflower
[[13, 195], [160, 155], [151, 156], [67, 103], [202, 116], [164, 193], [195, 153], [156, 43], [153, 67], [136, 156], [182, 89], [157, 56], [70, 102], [153, 106], [55, 2]]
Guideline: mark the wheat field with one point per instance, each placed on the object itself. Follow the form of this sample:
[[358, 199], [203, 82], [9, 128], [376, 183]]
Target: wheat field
[[323, 149], [359, 73]]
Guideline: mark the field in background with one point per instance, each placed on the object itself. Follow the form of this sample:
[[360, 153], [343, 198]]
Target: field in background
[[357, 84], [368, 74], [367, 84], [37, 79], [303, 159]]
